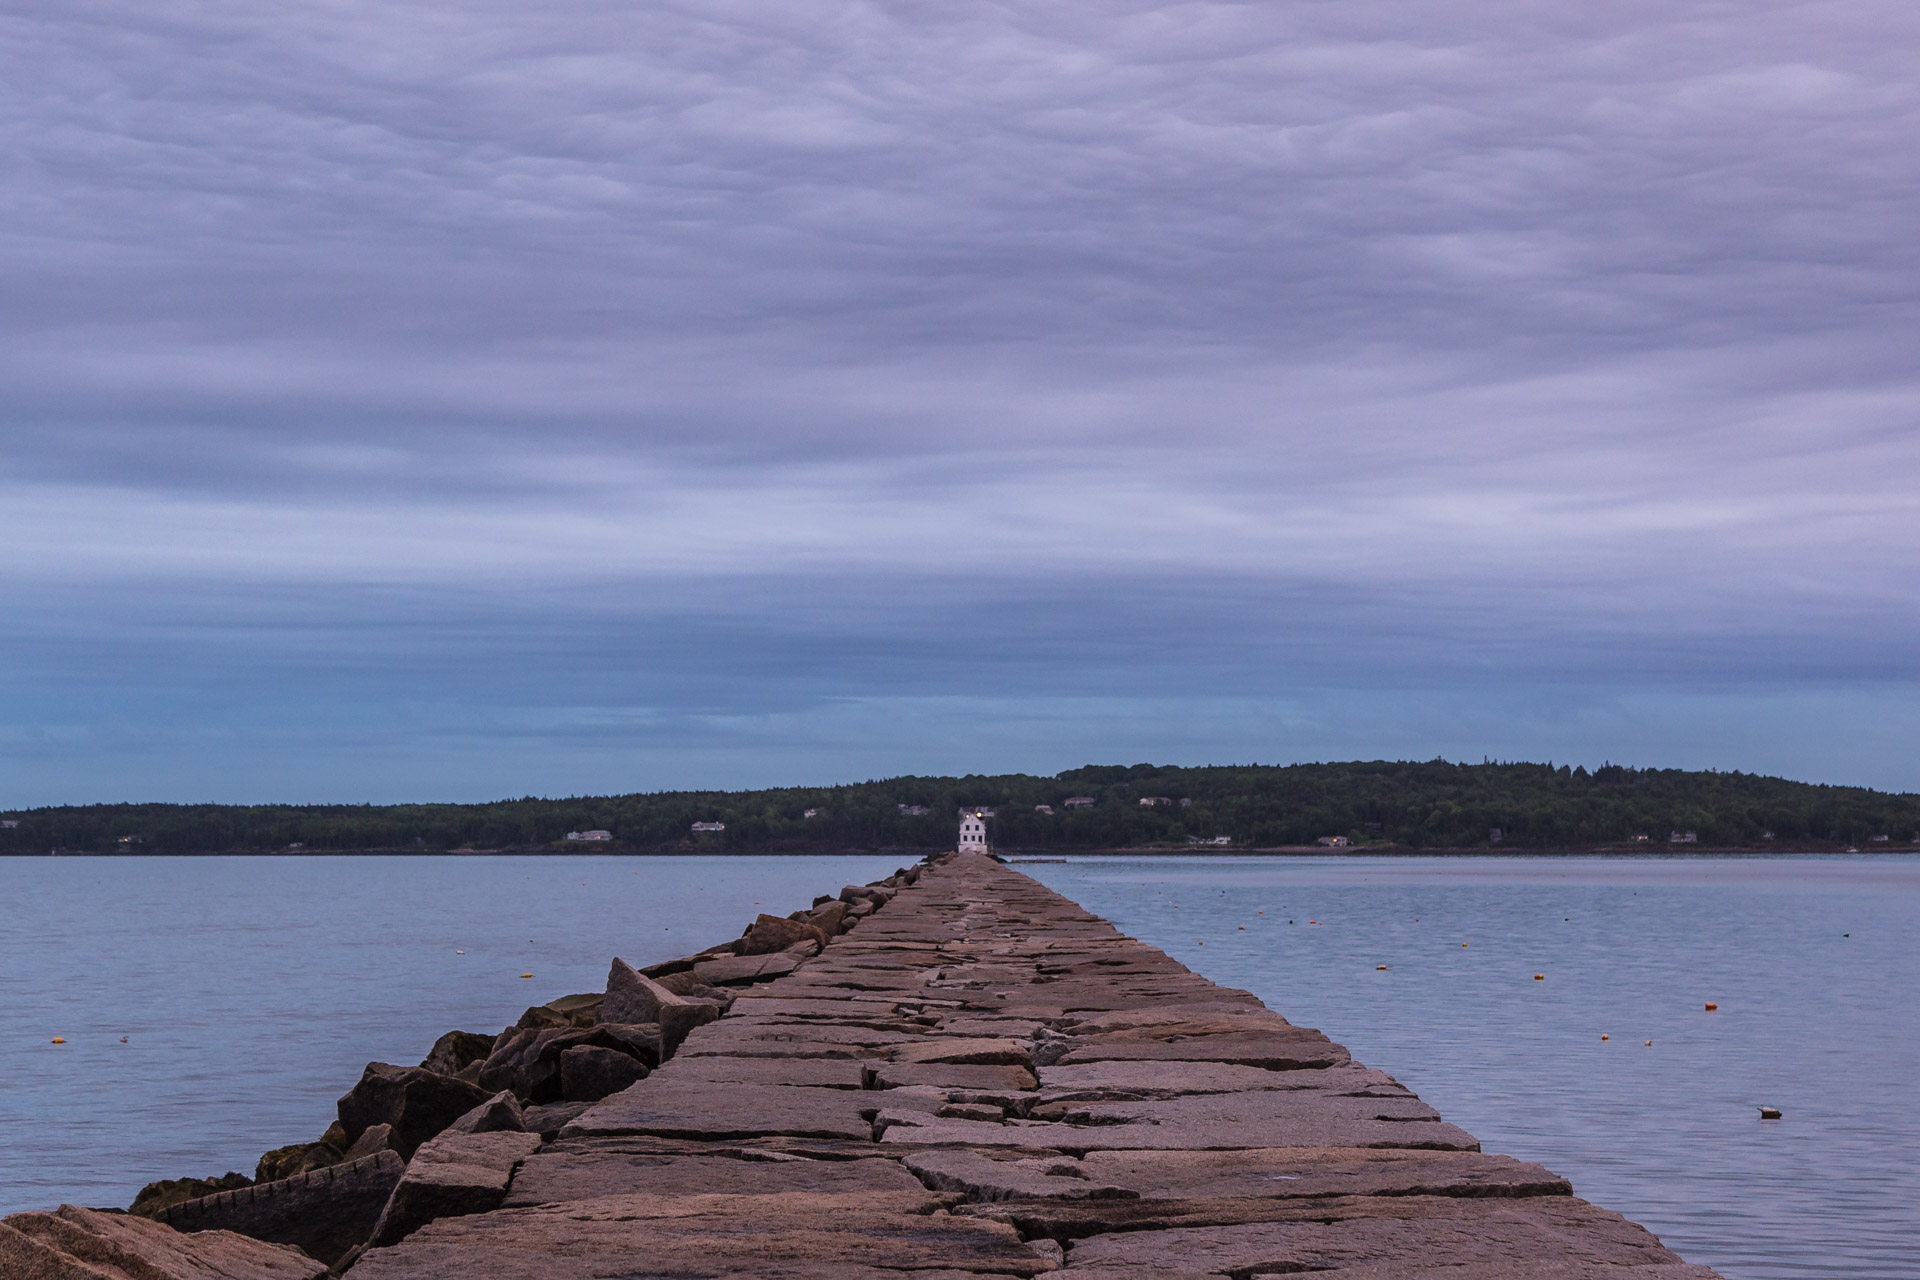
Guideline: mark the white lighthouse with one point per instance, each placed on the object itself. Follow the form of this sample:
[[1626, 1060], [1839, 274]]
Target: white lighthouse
[[973, 833]]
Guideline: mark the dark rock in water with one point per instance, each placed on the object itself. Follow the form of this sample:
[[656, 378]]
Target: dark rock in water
[[87, 1244], [687, 983], [418, 1103], [589, 1073], [454, 1175], [499, 1114], [634, 998], [640, 1040], [301, 1157], [455, 1050], [529, 1064], [325, 1212], [375, 1138], [830, 918], [540, 1018], [768, 934], [550, 1119], [158, 1195], [581, 1010]]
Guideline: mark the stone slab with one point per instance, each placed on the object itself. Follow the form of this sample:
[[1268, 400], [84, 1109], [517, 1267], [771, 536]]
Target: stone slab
[[1395, 1238], [698, 1237], [72, 1243], [717, 1112], [577, 1171]]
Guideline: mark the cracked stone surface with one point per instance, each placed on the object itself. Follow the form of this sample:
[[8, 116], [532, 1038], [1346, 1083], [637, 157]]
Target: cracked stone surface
[[981, 1079]]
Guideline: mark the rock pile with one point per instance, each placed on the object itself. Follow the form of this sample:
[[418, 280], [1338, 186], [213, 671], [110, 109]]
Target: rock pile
[[414, 1144]]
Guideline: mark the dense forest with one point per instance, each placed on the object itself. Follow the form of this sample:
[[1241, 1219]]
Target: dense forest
[[1434, 805]]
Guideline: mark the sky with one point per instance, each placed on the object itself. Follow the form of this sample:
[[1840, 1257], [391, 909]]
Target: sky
[[457, 400]]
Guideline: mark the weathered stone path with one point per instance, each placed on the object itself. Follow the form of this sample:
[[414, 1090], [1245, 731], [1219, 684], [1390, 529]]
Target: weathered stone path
[[985, 1080]]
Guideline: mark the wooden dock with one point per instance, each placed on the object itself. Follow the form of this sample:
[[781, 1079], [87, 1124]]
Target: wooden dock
[[982, 1079]]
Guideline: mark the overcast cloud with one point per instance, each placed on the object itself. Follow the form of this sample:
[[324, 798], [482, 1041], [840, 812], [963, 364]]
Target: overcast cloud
[[464, 399]]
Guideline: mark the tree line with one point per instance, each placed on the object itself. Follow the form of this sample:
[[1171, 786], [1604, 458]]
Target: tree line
[[1431, 805]]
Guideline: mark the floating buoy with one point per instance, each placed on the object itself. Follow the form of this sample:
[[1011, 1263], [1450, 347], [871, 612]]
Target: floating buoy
[[1200, 944], [526, 975], [1259, 913], [1379, 966], [1605, 1036], [1243, 928], [1769, 1113], [59, 1039], [1539, 977], [123, 1039], [1711, 1006], [1649, 1044], [1463, 944], [458, 952]]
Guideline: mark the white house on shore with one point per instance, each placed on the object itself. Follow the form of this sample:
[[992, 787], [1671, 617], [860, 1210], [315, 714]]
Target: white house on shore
[[973, 833], [709, 826], [590, 835]]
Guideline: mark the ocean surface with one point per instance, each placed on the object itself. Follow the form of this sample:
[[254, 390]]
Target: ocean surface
[[1814, 963], [251, 993]]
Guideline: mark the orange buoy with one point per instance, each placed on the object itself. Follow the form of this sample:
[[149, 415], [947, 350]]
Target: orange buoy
[[1379, 966], [1649, 1044], [1463, 944], [1605, 1036], [59, 1039], [123, 1039], [1711, 1006], [526, 975], [1202, 944], [1243, 928], [1539, 977]]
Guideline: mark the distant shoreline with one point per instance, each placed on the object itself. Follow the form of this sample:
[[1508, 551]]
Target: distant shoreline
[[1024, 855]]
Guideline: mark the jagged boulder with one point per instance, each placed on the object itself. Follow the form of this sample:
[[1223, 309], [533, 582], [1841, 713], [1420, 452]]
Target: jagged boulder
[[454, 1051], [589, 1073], [634, 998], [418, 1103], [499, 1114], [528, 1062], [768, 934], [454, 1175]]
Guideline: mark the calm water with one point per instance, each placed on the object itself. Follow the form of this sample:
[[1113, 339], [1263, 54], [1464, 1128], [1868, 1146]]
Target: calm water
[[252, 992], [1814, 962]]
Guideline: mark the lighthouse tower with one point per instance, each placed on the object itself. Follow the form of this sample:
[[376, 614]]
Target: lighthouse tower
[[973, 833]]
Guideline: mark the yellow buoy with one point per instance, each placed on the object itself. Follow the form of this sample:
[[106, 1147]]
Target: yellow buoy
[[1539, 977], [59, 1039], [1711, 1006], [526, 975]]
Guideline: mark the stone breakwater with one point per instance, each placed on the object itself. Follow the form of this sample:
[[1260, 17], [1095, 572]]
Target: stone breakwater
[[980, 1080]]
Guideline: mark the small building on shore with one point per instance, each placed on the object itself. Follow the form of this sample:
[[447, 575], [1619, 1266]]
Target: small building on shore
[[1077, 802], [973, 833], [700, 827], [594, 835], [1334, 842]]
